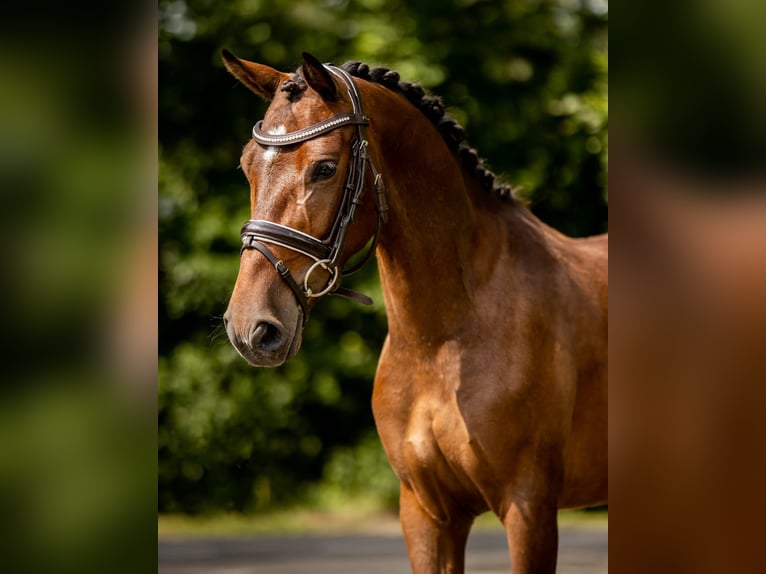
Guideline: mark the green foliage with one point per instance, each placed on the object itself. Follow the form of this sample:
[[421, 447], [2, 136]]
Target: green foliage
[[527, 78], [359, 473]]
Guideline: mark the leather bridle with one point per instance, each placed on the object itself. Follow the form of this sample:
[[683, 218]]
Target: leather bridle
[[326, 253]]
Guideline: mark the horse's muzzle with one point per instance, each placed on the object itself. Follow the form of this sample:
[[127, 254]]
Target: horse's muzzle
[[264, 343]]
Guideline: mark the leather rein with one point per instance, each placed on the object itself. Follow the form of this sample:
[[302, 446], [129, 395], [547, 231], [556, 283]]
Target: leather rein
[[326, 253]]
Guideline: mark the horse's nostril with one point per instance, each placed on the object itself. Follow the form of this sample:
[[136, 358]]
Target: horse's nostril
[[266, 337]]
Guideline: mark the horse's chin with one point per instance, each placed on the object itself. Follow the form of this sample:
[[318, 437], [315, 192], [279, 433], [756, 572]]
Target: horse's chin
[[295, 344]]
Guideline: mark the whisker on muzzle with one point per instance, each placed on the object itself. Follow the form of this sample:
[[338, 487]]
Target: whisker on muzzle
[[216, 335]]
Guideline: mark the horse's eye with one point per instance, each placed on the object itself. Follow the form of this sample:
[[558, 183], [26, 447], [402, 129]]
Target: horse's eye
[[324, 170]]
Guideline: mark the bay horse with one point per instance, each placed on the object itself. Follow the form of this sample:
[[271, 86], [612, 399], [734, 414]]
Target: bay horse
[[491, 388]]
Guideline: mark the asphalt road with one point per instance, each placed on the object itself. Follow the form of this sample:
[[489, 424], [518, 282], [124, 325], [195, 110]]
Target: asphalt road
[[582, 550]]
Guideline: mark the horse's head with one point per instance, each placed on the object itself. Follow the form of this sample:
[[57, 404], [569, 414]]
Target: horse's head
[[307, 167]]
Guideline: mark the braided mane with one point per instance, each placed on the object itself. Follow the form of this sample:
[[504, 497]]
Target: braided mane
[[432, 107]]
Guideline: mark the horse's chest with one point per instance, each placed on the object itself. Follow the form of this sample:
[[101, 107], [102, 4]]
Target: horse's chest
[[436, 434], [425, 432], [437, 458]]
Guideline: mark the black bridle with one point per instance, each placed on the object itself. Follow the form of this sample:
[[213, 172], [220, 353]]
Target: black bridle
[[326, 253]]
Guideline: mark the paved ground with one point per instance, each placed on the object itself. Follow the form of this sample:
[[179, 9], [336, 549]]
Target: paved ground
[[582, 550]]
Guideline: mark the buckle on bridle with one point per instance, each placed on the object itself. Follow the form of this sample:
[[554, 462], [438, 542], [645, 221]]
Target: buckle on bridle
[[380, 198]]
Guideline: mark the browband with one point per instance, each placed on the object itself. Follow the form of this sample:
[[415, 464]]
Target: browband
[[310, 132]]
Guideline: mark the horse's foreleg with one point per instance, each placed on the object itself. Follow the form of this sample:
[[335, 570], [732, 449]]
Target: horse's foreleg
[[532, 536], [434, 546]]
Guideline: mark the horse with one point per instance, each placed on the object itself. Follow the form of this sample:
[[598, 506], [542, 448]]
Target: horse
[[491, 387]]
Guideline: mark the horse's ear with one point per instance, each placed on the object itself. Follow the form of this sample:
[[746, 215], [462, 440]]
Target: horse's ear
[[260, 79], [317, 76]]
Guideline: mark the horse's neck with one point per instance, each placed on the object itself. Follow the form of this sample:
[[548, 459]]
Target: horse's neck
[[435, 272], [442, 240]]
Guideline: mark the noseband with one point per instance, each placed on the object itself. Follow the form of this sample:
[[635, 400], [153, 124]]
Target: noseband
[[326, 253]]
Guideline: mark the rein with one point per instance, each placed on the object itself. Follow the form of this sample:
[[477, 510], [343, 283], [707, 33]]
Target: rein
[[325, 253]]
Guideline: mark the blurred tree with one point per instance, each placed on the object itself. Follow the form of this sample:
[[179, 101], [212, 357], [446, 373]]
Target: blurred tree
[[527, 78]]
